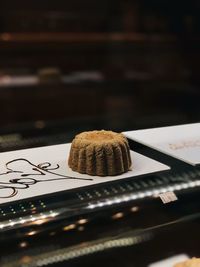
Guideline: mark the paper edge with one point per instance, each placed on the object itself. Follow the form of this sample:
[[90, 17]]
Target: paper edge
[[162, 151]]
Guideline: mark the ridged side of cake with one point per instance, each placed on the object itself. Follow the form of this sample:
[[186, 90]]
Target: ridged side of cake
[[101, 156]]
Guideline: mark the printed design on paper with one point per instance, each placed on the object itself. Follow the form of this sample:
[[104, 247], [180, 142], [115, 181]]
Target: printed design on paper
[[27, 174], [185, 144]]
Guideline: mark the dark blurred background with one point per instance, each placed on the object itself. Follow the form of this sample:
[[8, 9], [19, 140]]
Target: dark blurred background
[[71, 66]]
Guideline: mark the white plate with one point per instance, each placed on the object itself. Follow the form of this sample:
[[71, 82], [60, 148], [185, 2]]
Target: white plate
[[39, 171], [181, 142]]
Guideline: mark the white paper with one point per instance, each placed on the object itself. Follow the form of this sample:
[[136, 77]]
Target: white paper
[[181, 142], [170, 262], [31, 172]]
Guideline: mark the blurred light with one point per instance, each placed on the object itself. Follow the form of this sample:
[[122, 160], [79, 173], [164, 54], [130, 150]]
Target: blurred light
[[6, 79], [192, 184], [118, 215], [33, 211], [117, 200], [164, 190], [25, 259], [134, 209], [12, 223], [69, 227], [150, 193], [54, 214], [23, 244], [133, 197], [40, 221], [156, 192], [36, 219], [177, 187], [82, 221], [91, 206], [32, 218], [185, 186], [6, 36], [155, 196], [81, 228], [109, 202], [31, 233], [141, 195], [126, 199]]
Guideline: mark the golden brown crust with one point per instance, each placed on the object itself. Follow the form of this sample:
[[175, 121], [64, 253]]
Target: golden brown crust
[[90, 160], [194, 262], [125, 156], [100, 153]]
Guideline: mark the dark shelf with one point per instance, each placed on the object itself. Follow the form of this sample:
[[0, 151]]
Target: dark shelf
[[92, 37]]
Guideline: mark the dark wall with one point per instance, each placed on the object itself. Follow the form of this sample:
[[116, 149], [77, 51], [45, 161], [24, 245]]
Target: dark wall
[[144, 55]]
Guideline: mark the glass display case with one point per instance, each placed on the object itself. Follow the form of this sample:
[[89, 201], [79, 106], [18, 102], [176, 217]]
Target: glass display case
[[68, 67], [124, 222]]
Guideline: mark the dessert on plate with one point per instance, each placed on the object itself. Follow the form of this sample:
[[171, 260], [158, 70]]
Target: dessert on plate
[[101, 153], [194, 262]]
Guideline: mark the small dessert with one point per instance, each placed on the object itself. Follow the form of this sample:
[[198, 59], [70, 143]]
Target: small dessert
[[49, 75], [101, 153], [194, 262]]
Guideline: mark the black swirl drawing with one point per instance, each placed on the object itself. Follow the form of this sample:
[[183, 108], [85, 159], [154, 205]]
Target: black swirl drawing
[[25, 179]]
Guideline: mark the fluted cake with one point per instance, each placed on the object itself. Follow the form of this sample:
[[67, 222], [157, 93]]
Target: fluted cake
[[101, 153], [194, 262]]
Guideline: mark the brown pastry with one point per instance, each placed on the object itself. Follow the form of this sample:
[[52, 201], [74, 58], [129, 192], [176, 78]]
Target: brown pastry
[[100, 153], [194, 262]]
